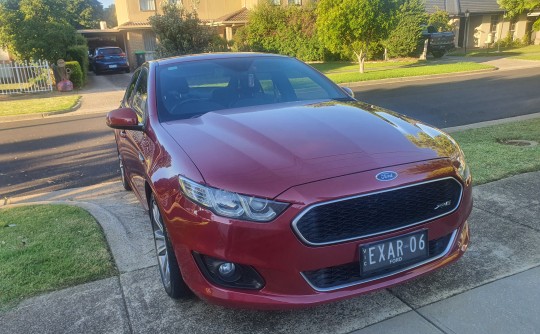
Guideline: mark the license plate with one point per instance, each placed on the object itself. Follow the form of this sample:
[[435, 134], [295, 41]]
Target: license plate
[[113, 66], [393, 252]]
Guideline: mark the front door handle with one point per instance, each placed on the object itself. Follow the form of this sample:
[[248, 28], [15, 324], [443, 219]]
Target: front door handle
[[141, 157]]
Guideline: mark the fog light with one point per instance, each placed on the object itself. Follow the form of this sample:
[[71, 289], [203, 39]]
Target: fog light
[[227, 270], [228, 274]]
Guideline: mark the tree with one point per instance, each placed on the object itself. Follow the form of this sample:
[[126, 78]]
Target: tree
[[289, 30], [36, 29], [404, 38], [440, 20], [109, 16], [180, 32], [84, 13], [351, 26], [516, 7]]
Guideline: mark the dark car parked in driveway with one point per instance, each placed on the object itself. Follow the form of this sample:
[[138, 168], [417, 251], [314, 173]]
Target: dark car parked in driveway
[[270, 187], [108, 59]]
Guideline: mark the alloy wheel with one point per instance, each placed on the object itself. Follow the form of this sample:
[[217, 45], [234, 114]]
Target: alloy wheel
[[161, 245]]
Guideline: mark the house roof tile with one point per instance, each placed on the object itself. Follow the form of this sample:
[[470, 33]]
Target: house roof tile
[[458, 7]]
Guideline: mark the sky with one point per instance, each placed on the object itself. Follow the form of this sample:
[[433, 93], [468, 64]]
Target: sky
[[106, 3]]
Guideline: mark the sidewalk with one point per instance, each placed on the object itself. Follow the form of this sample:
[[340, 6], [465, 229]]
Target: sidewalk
[[492, 289]]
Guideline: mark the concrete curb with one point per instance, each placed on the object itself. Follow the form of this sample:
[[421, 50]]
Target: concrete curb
[[29, 117], [116, 236], [491, 123]]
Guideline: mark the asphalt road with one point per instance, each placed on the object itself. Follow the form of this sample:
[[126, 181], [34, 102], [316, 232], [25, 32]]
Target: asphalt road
[[460, 100], [55, 153], [66, 152]]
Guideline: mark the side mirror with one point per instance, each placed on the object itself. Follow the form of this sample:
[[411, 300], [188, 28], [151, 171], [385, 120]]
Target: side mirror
[[348, 91], [123, 118]]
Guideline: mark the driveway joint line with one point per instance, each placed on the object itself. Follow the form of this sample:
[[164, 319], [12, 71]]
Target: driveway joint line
[[506, 218], [417, 312], [125, 304]]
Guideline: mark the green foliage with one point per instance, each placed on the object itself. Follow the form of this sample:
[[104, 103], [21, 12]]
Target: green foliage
[[351, 26], [515, 7], [79, 53], [76, 75], [510, 42], [44, 29], [218, 44], [83, 13], [403, 39], [109, 16], [289, 30], [180, 32], [440, 20]]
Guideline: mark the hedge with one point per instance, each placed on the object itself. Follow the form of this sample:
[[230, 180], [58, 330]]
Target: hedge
[[76, 75], [79, 53]]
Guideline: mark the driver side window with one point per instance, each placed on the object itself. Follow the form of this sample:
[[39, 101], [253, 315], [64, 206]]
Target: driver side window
[[138, 102], [129, 91]]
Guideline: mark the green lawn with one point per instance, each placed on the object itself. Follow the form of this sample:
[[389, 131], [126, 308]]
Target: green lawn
[[49, 247], [37, 105], [402, 71], [490, 159], [531, 52], [348, 66]]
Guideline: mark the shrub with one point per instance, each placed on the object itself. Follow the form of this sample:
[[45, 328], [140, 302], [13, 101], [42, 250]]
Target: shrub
[[403, 39], [79, 53], [76, 75], [287, 30], [180, 31]]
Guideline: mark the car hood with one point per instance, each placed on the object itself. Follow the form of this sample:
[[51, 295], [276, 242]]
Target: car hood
[[264, 151]]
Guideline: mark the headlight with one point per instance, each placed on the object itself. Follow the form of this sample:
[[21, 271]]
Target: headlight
[[463, 168], [233, 205]]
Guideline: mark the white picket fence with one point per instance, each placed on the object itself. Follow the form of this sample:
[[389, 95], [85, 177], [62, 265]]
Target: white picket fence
[[25, 77]]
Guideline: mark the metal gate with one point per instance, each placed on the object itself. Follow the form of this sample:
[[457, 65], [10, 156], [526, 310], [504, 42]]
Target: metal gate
[[25, 77]]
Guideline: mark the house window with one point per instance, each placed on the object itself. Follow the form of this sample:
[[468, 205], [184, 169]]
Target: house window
[[149, 39], [512, 30], [295, 2], [146, 5], [494, 23]]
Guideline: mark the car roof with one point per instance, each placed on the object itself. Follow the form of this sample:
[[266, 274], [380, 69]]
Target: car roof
[[208, 56]]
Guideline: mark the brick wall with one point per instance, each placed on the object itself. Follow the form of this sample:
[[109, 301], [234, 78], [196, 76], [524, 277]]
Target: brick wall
[[134, 42]]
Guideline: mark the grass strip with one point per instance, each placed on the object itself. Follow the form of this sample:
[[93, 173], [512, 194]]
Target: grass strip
[[349, 66], [49, 247], [504, 52], [411, 71], [488, 156], [38, 105]]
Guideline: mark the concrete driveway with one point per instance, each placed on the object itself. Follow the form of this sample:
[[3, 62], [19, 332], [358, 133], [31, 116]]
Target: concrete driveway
[[492, 289]]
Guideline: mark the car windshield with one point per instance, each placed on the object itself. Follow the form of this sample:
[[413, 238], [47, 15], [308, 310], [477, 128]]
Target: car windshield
[[110, 51], [190, 89]]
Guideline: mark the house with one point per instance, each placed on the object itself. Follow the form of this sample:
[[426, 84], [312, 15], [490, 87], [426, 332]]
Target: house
[[480, 23], [226, 15]]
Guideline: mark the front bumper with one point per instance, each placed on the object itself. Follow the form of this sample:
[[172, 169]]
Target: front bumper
[[281, 258]]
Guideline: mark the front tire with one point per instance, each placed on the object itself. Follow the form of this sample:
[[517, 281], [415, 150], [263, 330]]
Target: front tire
[[169, 271], [123, 177], [438, 54]]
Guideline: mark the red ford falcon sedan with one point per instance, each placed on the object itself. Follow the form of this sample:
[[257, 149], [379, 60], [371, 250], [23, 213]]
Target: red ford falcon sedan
[[270, 187]]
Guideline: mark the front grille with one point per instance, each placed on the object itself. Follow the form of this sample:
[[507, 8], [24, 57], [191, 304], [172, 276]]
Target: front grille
[[348, 274], [376, 213]]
